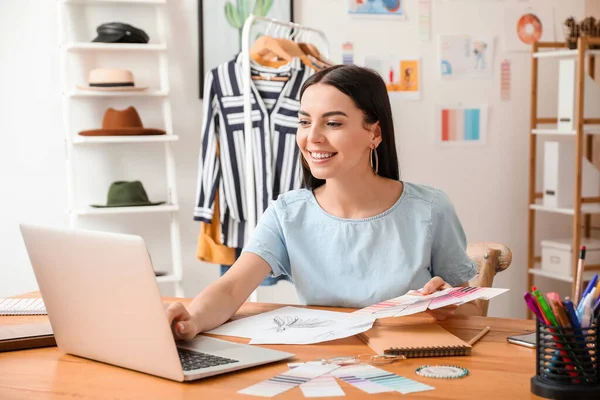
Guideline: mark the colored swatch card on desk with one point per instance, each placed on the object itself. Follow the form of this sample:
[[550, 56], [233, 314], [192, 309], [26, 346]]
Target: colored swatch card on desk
[[383, 378], [288, 380], [321, 386], [348, 375]]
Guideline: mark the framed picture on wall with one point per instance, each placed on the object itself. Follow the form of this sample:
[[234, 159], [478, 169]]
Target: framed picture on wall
[[220, 24], [377, 8]]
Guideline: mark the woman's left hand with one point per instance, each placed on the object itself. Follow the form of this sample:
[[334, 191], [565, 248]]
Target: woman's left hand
[[436, 283]]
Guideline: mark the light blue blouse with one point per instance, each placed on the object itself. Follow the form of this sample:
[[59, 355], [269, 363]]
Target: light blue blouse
[[358, 262]]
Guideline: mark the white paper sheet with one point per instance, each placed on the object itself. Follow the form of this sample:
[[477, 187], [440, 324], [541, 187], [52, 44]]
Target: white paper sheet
[[293, 325]]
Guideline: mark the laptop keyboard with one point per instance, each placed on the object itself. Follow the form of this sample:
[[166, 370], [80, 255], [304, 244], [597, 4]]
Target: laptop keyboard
[[191, 360]]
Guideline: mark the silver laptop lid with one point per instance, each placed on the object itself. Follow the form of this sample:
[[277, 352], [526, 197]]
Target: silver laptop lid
[[102, 298]]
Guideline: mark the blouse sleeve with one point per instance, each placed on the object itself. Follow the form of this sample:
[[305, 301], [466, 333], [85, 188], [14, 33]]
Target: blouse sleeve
[[268, 241], [449, 259]]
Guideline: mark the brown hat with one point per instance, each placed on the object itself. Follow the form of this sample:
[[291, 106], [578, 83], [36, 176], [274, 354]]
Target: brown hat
[[111, 80], [122, 123]]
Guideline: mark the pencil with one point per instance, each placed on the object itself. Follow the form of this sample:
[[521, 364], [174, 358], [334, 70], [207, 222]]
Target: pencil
[[479, 335]]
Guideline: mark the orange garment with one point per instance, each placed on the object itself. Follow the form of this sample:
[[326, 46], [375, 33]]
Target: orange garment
[[210, 249]]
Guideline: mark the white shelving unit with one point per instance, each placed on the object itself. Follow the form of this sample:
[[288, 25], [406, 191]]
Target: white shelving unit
[[77, 50]]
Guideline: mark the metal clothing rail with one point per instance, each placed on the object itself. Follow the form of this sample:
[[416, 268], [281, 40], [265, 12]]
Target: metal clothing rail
[[294, 32]]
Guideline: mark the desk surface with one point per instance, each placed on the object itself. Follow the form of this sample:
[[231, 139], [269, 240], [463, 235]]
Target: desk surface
[[496, 369]]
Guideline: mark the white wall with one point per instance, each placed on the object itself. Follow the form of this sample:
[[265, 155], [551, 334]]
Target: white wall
[[488, 184]]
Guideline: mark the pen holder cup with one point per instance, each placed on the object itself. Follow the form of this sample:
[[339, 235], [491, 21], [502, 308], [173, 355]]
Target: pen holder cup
[[567, 365]]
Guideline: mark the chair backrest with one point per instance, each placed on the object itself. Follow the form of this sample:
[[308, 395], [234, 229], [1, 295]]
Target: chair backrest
[[491, 258]]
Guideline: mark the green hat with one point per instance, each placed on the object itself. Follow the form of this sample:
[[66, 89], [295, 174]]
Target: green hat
[[127, 194]]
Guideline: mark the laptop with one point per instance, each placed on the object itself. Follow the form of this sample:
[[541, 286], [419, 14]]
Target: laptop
[[104, 304]]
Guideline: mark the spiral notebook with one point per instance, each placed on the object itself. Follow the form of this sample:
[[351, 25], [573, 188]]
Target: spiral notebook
[[415, 339], [22, 307]]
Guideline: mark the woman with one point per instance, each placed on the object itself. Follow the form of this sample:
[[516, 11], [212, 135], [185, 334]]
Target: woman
[[356, 235]]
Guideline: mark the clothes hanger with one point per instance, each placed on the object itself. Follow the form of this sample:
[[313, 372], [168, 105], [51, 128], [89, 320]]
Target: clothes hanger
[[312, 50]]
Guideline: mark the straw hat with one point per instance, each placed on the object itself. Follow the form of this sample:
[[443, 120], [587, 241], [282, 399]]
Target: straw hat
[[111, 80]]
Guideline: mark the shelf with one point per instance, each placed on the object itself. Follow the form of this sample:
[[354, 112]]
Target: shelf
[[115, 1], [557, 132], [165, 208], [168, 278], [562, 53], [590, 208], [143, 93], [85, 46], [587, 275], [125, 139]]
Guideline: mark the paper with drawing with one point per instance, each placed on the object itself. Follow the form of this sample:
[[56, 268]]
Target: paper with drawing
[[292, 325]]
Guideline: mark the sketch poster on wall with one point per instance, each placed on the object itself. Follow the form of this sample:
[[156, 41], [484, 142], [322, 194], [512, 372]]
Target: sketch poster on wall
[[465, 56], [527, 25], [402, 76], [393, 8], [460, 125]]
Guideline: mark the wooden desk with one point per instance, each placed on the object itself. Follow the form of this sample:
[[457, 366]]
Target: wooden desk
[[497, 370]]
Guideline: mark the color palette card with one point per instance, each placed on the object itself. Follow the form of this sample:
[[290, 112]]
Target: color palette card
[[414, 302], [321, 386], [365, 374], [349, 375], [288, 380]]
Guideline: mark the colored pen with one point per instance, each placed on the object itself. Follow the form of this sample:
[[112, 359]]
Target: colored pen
[[579, 276], [586, 315], [590, 286], [545, 308], [576, 325], [559, 310], [532, 304], [571, 313]]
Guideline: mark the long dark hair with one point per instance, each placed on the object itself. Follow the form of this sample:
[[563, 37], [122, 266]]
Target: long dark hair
[[366, 88]]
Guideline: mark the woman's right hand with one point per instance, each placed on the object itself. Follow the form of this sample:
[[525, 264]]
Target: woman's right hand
[[182, 324]]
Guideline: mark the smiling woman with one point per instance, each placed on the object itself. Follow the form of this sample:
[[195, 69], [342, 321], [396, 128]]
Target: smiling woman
[[355, 235]]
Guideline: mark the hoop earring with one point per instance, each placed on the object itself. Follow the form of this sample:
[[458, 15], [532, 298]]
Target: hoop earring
[[375, 168]]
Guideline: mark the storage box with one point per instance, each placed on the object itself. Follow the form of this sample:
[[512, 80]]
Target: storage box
[[559, 175], [556, 254]]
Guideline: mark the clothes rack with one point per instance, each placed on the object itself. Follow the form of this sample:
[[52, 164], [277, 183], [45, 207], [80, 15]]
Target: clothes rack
[[294, 32]]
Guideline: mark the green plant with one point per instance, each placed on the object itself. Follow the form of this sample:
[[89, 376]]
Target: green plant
[[238, 13]]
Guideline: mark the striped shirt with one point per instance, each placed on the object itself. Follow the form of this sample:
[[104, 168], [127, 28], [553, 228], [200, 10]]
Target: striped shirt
[[276, 166]]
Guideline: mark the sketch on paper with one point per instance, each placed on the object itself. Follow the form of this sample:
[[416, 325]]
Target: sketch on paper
[[465, 56], [401, 75], [296, 325], [285, 322]]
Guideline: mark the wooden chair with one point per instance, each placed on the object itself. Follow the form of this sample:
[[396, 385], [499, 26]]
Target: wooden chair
[[491, 258]]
